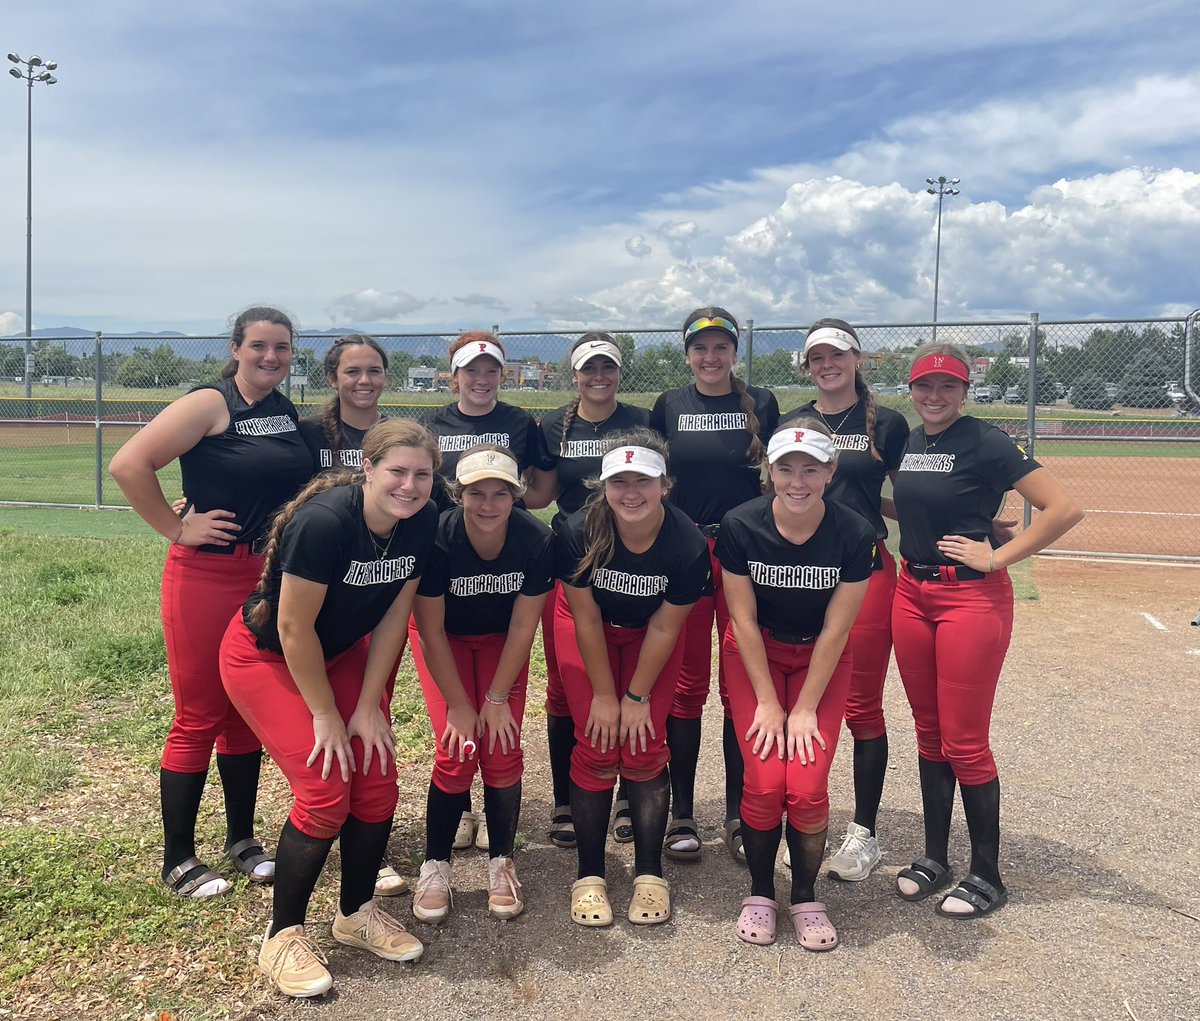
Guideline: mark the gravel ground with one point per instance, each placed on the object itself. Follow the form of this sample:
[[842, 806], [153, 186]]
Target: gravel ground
[[1094, 730]]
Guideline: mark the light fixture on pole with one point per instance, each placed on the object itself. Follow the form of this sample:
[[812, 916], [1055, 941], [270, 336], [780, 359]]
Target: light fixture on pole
[[36, 70], [941, 187]]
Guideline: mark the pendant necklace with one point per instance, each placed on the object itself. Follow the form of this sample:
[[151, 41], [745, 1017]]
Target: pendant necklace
[[381, 552], [848, 412]]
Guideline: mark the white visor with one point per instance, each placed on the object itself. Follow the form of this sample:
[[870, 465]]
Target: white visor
[[592, 348], [466, 354], [832, 336], [487, 464], [806, 441], [642, 460]]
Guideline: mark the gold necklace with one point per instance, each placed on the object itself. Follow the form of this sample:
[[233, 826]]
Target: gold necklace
[[849, 411]]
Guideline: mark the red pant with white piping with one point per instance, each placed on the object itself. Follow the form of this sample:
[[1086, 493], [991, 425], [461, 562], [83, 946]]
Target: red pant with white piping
[[261, 687], [776, 786], [870, 646], [951, 639], [591, 769], [476, 657], [200, 591], [695, 678]]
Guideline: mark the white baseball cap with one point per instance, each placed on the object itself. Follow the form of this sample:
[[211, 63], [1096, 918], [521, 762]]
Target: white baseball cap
[[832, 336], [592, 348], [487, 464], [466, 354], [642, 460], [806, 441]]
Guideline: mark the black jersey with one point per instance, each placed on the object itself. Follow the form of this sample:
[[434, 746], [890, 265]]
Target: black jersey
[[628, 590], [324, 456], [327, 541], [954, 485], [254, 467], [578, 459], [794, 583], [505, 425], [709, 440], [480, 594], [859, 478]]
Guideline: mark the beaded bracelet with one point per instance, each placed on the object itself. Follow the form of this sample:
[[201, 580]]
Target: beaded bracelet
[[496, 699]]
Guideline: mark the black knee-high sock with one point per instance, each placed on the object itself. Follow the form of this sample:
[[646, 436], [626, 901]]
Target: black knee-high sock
[[807, 852], [502, 809], [981, 804], [761, 847], [180, 794], [363, 847], [239, 781], [937, 799], [590, 811], [442, 813], [298, 863], [870, 771], [735, 770], [649, 803], [683, 738], [560, 736]]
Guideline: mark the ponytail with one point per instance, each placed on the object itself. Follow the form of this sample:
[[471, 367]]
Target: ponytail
[[599, 535], [870, 408], [262, 614], [746, 400], [568, 420], [331, 424]]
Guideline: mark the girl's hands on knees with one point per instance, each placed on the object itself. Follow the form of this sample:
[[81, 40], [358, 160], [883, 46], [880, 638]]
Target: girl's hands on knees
[[331, 740], [374, 729], [802, 734], [767, 730], [635, 724], [499, 724], [458, 738], [603, 722]]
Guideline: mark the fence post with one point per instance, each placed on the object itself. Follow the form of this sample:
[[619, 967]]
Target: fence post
[[99, 425], [1031, 403], [749, 351]]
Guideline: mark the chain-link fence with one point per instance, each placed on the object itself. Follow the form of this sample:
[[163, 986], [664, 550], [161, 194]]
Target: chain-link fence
[[1108, 406]]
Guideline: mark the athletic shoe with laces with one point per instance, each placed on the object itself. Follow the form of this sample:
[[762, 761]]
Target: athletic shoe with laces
[[505, 897], [857, 856], [432, 898], [371, 928], [293, 964]]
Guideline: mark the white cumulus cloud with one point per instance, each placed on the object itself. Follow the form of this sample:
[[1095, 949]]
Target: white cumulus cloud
[[11, 323], [372, 306]]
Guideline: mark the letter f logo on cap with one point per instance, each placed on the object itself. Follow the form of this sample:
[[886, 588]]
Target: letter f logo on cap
[[799, 436], [483, 347], [628, 456]]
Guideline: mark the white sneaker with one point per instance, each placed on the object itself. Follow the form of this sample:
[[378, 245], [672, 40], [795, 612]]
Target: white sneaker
[[857, 856], [464, 836], [432, 898]]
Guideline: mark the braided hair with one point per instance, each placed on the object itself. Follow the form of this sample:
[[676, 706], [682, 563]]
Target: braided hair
[[599, 522], [745, 399], [382, 437], [331, 411], [861, 390]]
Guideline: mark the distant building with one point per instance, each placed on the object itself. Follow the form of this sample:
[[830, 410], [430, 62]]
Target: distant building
[[422, 377]]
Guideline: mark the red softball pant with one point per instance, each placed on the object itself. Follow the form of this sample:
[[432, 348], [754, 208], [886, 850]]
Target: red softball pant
[[592, 769], [695, 677], [556, 698], [261, 687], [476, 657], [777, 786], [870, 646], [200, 591], [950, 640]]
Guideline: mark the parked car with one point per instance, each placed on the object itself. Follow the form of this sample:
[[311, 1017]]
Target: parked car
[[985, 394], [1013, 395]]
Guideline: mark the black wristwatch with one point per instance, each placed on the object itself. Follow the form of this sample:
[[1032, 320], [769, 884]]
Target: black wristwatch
[[640, 699]]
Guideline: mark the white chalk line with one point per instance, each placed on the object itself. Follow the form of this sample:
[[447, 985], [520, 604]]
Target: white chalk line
[[1144, 514], [1193, 652], [1155, 622]]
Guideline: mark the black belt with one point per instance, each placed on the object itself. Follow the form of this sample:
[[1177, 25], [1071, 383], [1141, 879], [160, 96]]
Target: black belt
[[630, 625], [790, 638], [258, 547], [709, 530], [941, 572]]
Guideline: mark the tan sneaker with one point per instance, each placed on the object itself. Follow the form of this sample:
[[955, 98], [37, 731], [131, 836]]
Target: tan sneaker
[[464, 836], [371, 928], [293, 964], [432, 898], [505, 898]]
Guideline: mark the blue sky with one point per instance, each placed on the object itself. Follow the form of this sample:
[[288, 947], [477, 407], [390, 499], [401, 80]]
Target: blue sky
[[443, 165]]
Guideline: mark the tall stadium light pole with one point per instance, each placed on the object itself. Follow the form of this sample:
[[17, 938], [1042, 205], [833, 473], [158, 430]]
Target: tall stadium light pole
[[941, 187], [36, 70]]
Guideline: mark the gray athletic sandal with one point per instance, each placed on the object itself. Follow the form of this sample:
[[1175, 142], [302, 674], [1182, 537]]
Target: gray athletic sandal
[[176, 882]]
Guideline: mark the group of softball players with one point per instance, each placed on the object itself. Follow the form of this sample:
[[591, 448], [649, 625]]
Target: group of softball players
[[306, 552]]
